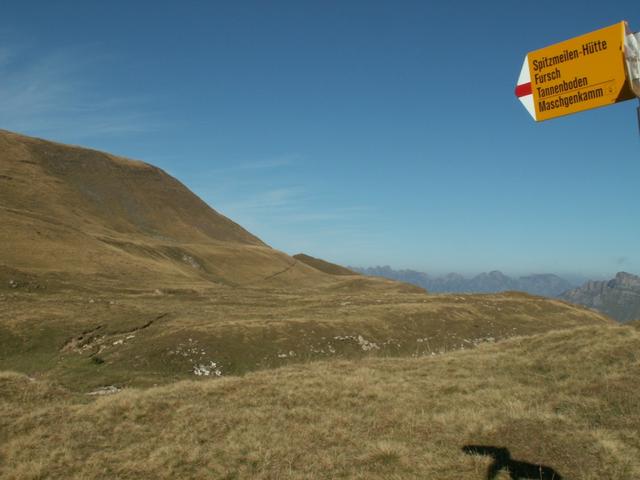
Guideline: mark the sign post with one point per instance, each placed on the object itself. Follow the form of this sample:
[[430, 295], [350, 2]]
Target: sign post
[[590, 71], [632, 56]]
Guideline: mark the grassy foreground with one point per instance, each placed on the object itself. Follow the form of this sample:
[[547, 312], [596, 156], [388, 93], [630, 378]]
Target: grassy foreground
[[565, 399]]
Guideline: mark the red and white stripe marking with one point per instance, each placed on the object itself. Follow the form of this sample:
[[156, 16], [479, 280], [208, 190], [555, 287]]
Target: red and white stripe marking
[[523, 88]]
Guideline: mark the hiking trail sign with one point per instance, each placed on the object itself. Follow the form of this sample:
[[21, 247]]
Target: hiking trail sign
[[590, 71]]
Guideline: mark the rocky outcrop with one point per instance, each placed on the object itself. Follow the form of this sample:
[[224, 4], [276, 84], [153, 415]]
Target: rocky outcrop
[[619, 297]]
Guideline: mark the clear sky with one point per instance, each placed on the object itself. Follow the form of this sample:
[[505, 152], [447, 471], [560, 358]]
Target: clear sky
[[366, 133]]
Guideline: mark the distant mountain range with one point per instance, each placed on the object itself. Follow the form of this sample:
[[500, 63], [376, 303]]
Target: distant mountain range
[[547, 284], [619, 298]]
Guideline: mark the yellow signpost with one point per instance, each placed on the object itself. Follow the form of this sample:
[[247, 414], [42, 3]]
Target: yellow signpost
[[585, 72]]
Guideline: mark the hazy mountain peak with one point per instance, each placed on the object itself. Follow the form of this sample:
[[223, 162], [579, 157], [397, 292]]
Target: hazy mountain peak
[[627, 280]]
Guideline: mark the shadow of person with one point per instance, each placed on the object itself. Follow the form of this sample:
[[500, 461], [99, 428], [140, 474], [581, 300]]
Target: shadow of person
[[517, 470]]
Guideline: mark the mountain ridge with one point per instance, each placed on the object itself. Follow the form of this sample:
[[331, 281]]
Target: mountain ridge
[[548, 285], [618, 297]]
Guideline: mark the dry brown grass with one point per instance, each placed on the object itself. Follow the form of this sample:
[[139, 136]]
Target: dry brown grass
[[566, 399]]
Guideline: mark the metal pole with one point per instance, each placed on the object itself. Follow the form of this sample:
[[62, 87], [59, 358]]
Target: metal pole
[[638, 111]]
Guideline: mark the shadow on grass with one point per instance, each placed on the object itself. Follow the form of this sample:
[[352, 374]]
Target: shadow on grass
[[517, 470]]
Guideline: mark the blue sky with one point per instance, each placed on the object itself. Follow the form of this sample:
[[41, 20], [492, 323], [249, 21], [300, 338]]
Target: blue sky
[[366, 133]]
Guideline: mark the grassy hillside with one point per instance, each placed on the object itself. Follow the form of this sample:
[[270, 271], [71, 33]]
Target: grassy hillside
[[80, 187], [79, 216], [567, 400]]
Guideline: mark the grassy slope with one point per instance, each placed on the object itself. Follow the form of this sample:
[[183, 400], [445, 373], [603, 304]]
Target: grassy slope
[[323, 265], [147, 338], [565, 399]]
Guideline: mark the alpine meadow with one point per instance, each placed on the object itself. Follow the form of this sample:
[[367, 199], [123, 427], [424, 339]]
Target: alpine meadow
[[319, 240]]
